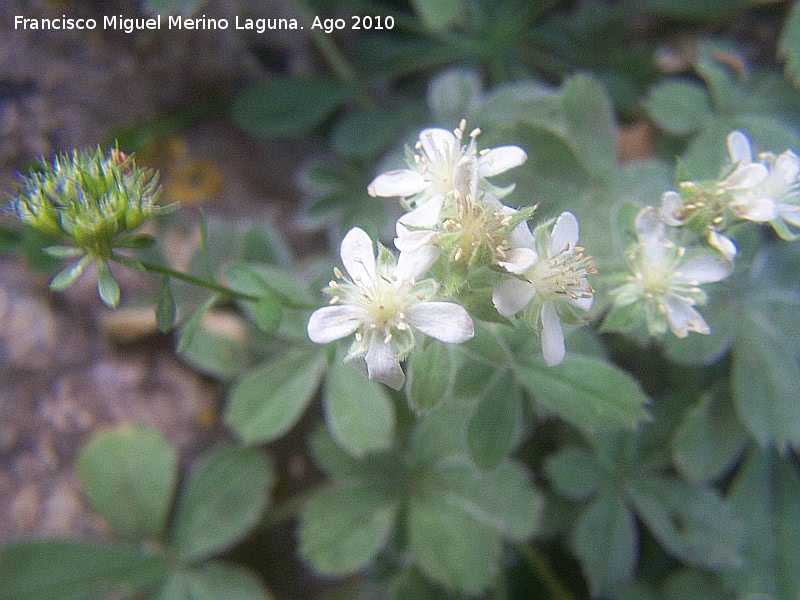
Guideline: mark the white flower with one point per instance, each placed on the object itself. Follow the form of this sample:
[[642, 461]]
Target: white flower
[[549, 284], [380, 302], [746, 183], [430, 175], [666, 281]]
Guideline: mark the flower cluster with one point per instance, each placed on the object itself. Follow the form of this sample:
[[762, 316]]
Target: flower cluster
[[666, 276], [96, 201], [455, 219], [764, 191], [90, 198]]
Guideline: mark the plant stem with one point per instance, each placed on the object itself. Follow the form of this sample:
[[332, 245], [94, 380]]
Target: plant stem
[[536, 560], [199, 281]]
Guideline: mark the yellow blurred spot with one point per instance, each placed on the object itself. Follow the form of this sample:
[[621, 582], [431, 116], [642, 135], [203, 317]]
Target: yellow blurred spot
[[195, 182], [206, 417]]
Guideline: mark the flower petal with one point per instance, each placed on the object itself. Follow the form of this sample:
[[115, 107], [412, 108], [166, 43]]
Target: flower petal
[[760, 210], [501, 159], [358, 255], [682, 318], [553, 346], [745, 177], [723, 244], [739, 147], [445, 321], [703, 269], [413, 265], [671, 209], [790, 213], [439, 144], [403, 182], [787, 167], [331, 323], [585, 304], [565, 234], [650, 230], [519, 260], [512, 295], [426, 215], [382, 364]]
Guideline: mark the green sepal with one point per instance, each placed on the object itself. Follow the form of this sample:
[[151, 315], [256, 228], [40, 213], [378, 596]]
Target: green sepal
[[67, 277], [107, 286]]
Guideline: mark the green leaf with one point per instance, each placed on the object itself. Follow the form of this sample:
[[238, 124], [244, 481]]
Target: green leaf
[[688, 584], [454, 94], [679, 107], [450, 547], [129, 476], [490, 433], [502, 498], [288, 106], [431, 375], [573, 472], [221, 503], [76, 570], [766, 495], [709, 10], [268, 313], [692, 523], [67, 277], [268, 281], [438, 15], [709, 440], [266, 403], [789, 44], [64, 251], [213, 580], [166, 310], [606, 542], [107, 286], [590, 125], [359, 412], [193, 324], [764, 378], [366, 133], [220, 356], [342, 528], [586, 391]]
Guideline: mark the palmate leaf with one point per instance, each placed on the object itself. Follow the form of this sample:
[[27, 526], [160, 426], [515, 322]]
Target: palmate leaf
[[586, 391], [692, 522], [358, 411], [764, 376], [490, 432], [268, 401], [606, 542], [766, 495], [221, 502], [130, 476], [344, 526]]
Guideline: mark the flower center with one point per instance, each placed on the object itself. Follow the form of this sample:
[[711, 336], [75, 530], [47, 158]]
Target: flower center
[[564, 274]]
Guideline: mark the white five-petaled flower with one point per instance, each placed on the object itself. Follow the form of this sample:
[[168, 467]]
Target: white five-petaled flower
[[553, 273], [746, 183], [775, 196], [430, 172], [433, 172], [666, 280], [381, 302]]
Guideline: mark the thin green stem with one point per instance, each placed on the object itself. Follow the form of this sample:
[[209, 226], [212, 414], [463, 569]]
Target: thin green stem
[[537, 561], [199, 281]]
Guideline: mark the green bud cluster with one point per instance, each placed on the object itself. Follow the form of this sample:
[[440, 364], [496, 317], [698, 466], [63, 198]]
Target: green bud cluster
[[92, 198]]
